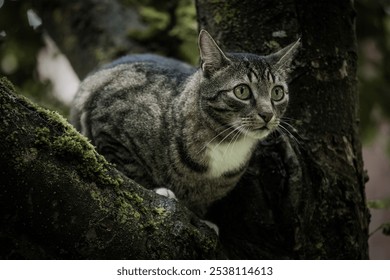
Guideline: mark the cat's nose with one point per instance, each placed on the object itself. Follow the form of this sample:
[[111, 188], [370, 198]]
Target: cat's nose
[[266, 116]]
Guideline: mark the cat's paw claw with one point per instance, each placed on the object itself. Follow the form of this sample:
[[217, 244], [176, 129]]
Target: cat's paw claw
[[165, 192], [212, 226]]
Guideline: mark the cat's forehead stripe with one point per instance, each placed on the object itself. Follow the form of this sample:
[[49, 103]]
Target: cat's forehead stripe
[[252, 76], [268, 75]]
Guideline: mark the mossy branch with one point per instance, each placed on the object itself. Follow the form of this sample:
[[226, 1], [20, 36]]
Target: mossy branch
[[60, 199]]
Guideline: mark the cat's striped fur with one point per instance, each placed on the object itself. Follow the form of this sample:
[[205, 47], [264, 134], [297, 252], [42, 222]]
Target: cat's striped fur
[[167, 124]]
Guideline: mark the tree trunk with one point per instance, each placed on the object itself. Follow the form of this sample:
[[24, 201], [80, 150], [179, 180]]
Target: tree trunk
[[301, 198], [59, 199]]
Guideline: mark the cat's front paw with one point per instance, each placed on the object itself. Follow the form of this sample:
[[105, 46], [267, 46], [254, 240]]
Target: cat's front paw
[[165, 192]]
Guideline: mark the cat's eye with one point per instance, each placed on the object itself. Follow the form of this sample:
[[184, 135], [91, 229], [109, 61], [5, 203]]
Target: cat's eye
[[242, 92], [277, 93]]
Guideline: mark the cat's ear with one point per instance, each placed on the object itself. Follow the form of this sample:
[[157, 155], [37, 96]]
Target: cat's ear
[[211, 55], [282, 60]]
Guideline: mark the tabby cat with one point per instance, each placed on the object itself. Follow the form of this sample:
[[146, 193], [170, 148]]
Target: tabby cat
[[178, 129]]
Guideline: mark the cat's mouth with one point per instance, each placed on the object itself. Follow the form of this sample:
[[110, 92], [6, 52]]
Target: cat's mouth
[[263, 128], [259, 132]]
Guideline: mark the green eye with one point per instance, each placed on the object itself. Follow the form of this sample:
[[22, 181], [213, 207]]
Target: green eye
[[277, 93], [242, 92]]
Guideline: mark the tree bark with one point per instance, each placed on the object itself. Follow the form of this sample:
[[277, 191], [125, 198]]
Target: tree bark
[[59, 199], [300, 199]]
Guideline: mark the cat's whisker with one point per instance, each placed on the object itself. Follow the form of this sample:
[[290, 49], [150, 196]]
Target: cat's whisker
[[282, 132], [292, 128], [289, 125], [286, 132], [234, 139], [215, 137], [245, 135], [288, 119], [223, 139]]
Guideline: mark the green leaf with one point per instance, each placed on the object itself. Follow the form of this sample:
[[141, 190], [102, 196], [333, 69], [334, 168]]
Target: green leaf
[[379, 203]]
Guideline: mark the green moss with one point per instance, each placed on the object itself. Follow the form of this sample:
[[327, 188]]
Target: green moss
[[273, 45], [217, 17], [208, 244], [131, 196], [25, 158], [125, 207], [101, 200], [42, 136], [160, 211], [126, 211], [12, 137], [65, 141], [131, 207], [6, 86], [159, 218], [224, 12]]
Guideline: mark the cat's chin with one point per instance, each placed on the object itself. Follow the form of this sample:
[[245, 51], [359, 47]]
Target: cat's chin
[[259, 134]]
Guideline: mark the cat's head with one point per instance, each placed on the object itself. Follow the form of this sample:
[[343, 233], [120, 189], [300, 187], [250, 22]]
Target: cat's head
[[243, 93]]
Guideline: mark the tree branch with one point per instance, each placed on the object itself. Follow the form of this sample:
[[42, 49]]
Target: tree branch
[[60, 199]]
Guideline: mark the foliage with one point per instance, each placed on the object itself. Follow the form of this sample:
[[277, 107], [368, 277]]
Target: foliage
[[172, 28], [381, 204], [19, 45], [373, 32]]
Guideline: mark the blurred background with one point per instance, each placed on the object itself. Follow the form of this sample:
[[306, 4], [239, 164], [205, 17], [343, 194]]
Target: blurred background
[[34, 64]]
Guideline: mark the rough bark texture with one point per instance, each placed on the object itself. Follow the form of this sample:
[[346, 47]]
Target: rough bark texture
[[59, 199], [301, 200]]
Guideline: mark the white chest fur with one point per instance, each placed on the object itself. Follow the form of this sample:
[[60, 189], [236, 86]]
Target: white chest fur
[[226, 157]]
